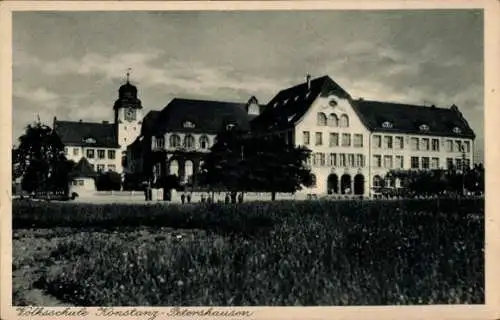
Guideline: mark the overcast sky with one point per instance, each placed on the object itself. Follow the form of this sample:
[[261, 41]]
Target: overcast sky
[[71, 64]]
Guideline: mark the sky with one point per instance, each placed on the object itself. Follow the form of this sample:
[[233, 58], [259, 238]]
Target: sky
[[71, 64]]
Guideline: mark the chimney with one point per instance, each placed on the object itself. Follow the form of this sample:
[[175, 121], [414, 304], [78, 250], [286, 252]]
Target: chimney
[[308, 81]]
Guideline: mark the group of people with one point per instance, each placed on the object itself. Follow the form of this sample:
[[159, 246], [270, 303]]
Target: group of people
[[206, 198]]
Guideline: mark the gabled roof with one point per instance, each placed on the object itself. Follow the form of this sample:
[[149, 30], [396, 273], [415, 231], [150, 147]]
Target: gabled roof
[[83, 169], [200, 116], [405, 118], [290, 104], [91, 134]]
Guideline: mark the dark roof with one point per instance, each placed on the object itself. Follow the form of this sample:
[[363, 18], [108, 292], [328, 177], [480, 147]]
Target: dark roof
[[83, 169], [206, 116], [149, 122], [76, 133], [289, 105], [405, 118]]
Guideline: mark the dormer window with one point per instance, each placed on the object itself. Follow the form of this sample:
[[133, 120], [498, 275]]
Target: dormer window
[[89, 140], [333, 102], [275, 104], [230, 126], [387, 125], [424, 127], [457, 130], [188, 124]]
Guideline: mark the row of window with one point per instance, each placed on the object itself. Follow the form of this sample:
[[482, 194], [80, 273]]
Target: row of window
[[335, 139], [188, 142], [320, 159], [389, 162], [420, 144], [433, 163], [332, 120], [102, 167], [90, 153]]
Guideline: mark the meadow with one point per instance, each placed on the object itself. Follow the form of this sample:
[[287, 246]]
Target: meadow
[[269, 253]]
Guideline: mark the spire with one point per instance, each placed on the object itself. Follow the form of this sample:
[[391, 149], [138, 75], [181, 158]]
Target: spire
[[128, 74]]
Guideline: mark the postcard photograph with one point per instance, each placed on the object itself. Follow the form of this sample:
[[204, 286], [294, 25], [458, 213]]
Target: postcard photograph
[[248, 158]]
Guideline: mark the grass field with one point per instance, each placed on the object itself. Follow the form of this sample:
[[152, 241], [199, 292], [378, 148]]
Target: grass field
[[274, 253]]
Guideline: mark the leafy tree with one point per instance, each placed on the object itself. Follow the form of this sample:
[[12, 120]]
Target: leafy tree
[[109, 181], [40, 161], [242, 162]]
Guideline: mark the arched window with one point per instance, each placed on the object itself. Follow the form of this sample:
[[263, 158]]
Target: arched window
[[188, 141], [333, 120], [344, 121], [174, 167], [175, 141], [321, 119], [204, 142], [188, 169]]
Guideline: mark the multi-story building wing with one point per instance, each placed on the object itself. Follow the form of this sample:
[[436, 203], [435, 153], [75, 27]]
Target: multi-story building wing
[[175, 140], [355, 143]]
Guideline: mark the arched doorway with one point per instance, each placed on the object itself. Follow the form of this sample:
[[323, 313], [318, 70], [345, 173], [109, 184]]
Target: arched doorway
[[174, 167], [345, 184], [359, 184], [188, 171], [333, 184]]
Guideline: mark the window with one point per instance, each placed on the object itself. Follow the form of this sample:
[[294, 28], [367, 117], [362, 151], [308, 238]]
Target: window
[[344, 121], [467, 146], [449, 146], [435, 163], [449, 163], [388, 142], [188, 124], [316, 159], [414, 144], [90, 153], [100, 167], [333, 160], [321, 119], [457, 130], [333, 120], [159, 142], [66, 150], [319, 138], [322, 160], [306, 138], [399, 162], [414, 163], [388, 162], [424, 127], [377, 182], [346, 140], [358, 140], [111, 167], [203, 142], [458, 146], [360, 161], [334, 139], [425, 144], [458, 163], [111, 154], [188, 141], [387, 125], [350, 160], [175, 141], [467, 163], [377, 161], [425, 162], [92, 166], [313, 180], [101, 154], [80, 182], [435, 144], [342, 160], [399, 142], [377, 141], [76, 151], [309, 160]]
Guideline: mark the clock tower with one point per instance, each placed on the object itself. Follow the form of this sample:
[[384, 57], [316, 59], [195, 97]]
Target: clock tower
[[128, 114]]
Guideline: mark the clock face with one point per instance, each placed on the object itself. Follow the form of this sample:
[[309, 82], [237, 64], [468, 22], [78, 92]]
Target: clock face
[[130, 114]]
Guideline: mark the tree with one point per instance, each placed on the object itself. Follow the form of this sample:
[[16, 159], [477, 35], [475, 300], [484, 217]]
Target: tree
[[40, 161], [242, 162], [109, 181]]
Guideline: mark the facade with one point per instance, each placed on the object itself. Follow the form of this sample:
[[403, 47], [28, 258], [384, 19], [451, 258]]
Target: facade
[[355, 143], [83, 182], [104, 144], [174, 141]]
